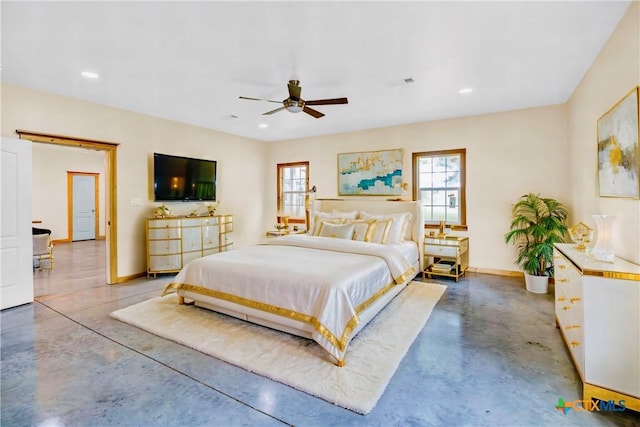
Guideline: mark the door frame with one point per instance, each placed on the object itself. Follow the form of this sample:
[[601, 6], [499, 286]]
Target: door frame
[[111, 211], [96, 202]]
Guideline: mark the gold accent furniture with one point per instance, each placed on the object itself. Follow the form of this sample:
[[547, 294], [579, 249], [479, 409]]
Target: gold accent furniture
[[597, 309], [173, 242], [439, 252]]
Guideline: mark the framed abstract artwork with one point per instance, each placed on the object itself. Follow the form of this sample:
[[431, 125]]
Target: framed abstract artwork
[[370, 173], [618, 162]]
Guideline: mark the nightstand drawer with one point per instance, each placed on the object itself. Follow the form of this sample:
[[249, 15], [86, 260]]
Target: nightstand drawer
[[436, 250]]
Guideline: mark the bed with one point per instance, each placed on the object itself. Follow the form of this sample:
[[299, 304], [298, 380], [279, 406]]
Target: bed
[[325, 285]]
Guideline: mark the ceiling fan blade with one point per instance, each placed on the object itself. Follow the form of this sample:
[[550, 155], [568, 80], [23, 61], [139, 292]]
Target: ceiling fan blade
[[315, 113], [273, 111], [327, 101], [258, 99], [294, 89]]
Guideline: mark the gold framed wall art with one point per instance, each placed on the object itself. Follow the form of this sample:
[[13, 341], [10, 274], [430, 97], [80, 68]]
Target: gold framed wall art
[[618, 161], [370, 173]]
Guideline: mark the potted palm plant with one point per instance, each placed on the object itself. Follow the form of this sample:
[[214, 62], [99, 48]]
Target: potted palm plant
[[536, 224]]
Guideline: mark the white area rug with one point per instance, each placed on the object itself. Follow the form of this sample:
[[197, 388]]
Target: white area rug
[[372, 356]]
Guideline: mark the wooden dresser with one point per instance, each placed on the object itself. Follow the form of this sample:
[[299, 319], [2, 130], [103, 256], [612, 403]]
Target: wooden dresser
[[597, 306]]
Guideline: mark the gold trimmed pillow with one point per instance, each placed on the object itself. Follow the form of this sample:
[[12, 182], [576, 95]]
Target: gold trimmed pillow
[[398, 231], [339, 231], [381, 231], [364, 229], [317, 224], [335, 214]]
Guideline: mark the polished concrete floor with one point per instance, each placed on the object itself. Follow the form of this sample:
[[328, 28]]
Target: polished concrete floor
[[490, 355]]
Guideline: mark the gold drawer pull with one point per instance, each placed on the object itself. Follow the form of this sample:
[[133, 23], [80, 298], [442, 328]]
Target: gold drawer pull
[[574, 344], [572, 327], [574, 299], [566, 307], [562, 267], [562, 280], [562, 299]]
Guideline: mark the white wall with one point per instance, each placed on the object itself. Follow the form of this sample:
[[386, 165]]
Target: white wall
[[508, 154], [240, 161], [49, 194], [614, 73]]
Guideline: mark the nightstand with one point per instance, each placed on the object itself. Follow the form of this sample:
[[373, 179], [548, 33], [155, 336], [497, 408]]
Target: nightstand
[[448, 256]]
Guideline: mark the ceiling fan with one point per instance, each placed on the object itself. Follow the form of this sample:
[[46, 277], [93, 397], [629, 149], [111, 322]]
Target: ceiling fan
[[295, 104]]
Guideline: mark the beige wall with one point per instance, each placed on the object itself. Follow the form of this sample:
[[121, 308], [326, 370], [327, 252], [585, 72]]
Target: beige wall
[[550, 150], [508, 154], [240, 161], [49, 176], [614, 73]]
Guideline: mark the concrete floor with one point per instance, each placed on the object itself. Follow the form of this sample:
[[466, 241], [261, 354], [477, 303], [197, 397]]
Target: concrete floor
[[489, 355]]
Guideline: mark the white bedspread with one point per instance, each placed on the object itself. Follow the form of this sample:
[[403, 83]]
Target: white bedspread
[[324, 282]]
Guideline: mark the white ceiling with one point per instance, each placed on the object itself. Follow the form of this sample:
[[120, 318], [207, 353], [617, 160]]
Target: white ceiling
[[190, 62]]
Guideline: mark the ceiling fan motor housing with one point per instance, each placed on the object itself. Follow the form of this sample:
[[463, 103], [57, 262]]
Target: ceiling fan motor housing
[[293, 106]]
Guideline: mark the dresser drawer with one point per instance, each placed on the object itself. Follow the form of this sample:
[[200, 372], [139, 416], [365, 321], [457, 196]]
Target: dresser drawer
[[192, 222], [164, 233], [164, 262], [164, 247], [164, 223]]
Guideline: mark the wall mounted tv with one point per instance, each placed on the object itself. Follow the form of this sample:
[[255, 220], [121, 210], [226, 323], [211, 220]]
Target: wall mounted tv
[[183, 178]]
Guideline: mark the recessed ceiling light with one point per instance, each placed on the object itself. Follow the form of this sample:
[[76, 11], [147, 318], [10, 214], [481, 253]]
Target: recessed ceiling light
[[89, 74], [465, 90], [263, 125]]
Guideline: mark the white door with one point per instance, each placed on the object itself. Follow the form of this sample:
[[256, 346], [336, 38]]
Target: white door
[[84, 207], [16, 244]]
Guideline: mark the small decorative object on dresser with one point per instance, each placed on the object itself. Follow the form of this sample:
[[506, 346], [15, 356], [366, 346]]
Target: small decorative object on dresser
[[581, 234], [603, 248], [162, 212], [537, 223]]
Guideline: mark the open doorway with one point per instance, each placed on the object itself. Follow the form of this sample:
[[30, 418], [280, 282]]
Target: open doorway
[[108, 153]]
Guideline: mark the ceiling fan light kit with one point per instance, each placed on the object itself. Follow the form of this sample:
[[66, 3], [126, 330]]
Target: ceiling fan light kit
[[294, 103]]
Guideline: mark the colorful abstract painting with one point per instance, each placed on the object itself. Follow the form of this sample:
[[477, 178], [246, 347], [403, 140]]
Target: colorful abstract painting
[[618, 162], [371, 173]]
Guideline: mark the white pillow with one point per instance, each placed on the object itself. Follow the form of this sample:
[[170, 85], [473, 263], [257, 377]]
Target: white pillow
[[381, 230], [317, 224], [339, 231], [364, 229], [399, 226], [344, 214], [335, 214]]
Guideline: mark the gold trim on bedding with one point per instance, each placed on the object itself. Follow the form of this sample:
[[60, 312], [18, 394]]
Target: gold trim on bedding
[[340, 344]]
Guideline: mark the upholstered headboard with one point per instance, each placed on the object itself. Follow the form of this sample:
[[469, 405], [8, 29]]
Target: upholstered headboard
[[380, 207]]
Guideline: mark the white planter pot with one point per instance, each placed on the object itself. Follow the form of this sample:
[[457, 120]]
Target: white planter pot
[[537, 284]]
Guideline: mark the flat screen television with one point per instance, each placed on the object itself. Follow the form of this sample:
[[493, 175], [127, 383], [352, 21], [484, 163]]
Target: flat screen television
[[183, 178]]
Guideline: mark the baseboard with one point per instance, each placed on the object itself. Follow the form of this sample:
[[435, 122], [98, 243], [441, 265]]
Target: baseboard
[[494, 272], [122, 279]]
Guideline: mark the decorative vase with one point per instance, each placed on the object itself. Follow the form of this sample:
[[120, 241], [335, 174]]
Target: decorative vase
[[603, 248], [536, 284]]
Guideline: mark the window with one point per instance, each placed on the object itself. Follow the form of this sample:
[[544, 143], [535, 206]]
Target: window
[[293, 184], [439, 185]]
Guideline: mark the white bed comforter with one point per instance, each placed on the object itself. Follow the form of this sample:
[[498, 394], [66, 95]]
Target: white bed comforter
[[324, 282]]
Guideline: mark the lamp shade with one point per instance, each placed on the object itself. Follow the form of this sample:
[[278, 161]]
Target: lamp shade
[[603, 248]]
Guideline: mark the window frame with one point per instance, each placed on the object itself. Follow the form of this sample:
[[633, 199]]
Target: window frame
[[280, 191], [462, 152]]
